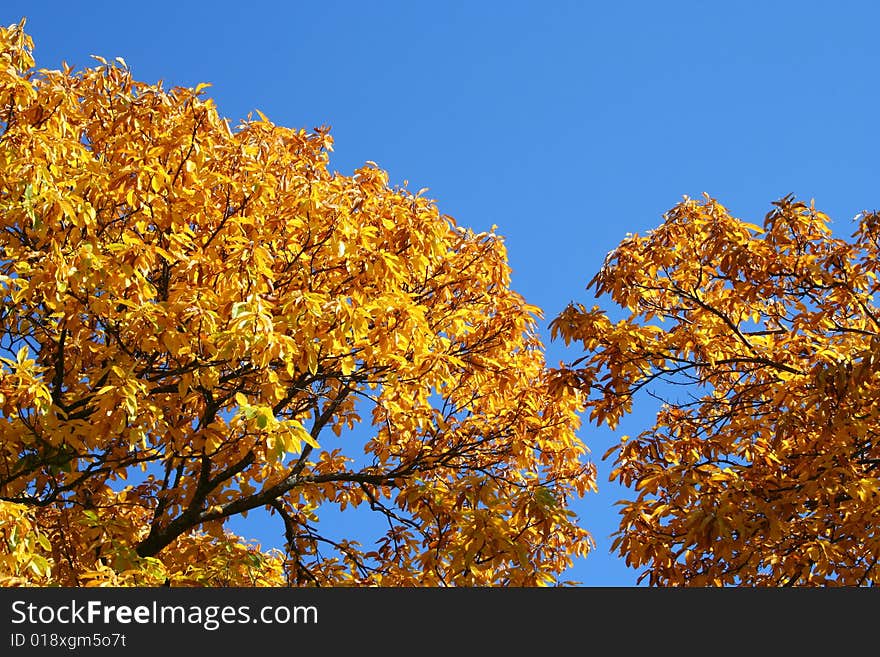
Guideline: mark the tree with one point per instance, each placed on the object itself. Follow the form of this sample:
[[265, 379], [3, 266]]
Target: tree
[[763, 346], [196, 317]]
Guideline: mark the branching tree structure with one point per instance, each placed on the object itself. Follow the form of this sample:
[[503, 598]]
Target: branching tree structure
[[195, 318], [764, 343]]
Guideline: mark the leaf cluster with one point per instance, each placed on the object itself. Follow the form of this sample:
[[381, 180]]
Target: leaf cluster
[[202, 321], [760, 345]]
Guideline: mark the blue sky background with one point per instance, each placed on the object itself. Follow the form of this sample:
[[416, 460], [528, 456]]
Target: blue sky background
[[567, 124]]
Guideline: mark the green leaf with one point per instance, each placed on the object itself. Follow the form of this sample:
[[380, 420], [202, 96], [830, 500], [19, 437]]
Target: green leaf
[[545, 497], [239, 308], [44, 542], [39, 565]]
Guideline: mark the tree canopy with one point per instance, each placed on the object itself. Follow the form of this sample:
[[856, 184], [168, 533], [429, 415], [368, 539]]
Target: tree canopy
[[204, 324], [195, 319], [762, 344]]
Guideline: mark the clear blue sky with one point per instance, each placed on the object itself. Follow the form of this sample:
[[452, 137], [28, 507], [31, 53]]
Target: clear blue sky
[[567, 124]]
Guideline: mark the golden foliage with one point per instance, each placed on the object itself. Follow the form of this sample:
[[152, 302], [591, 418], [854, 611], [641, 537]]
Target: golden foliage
[[209, 311], [764, 342]]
